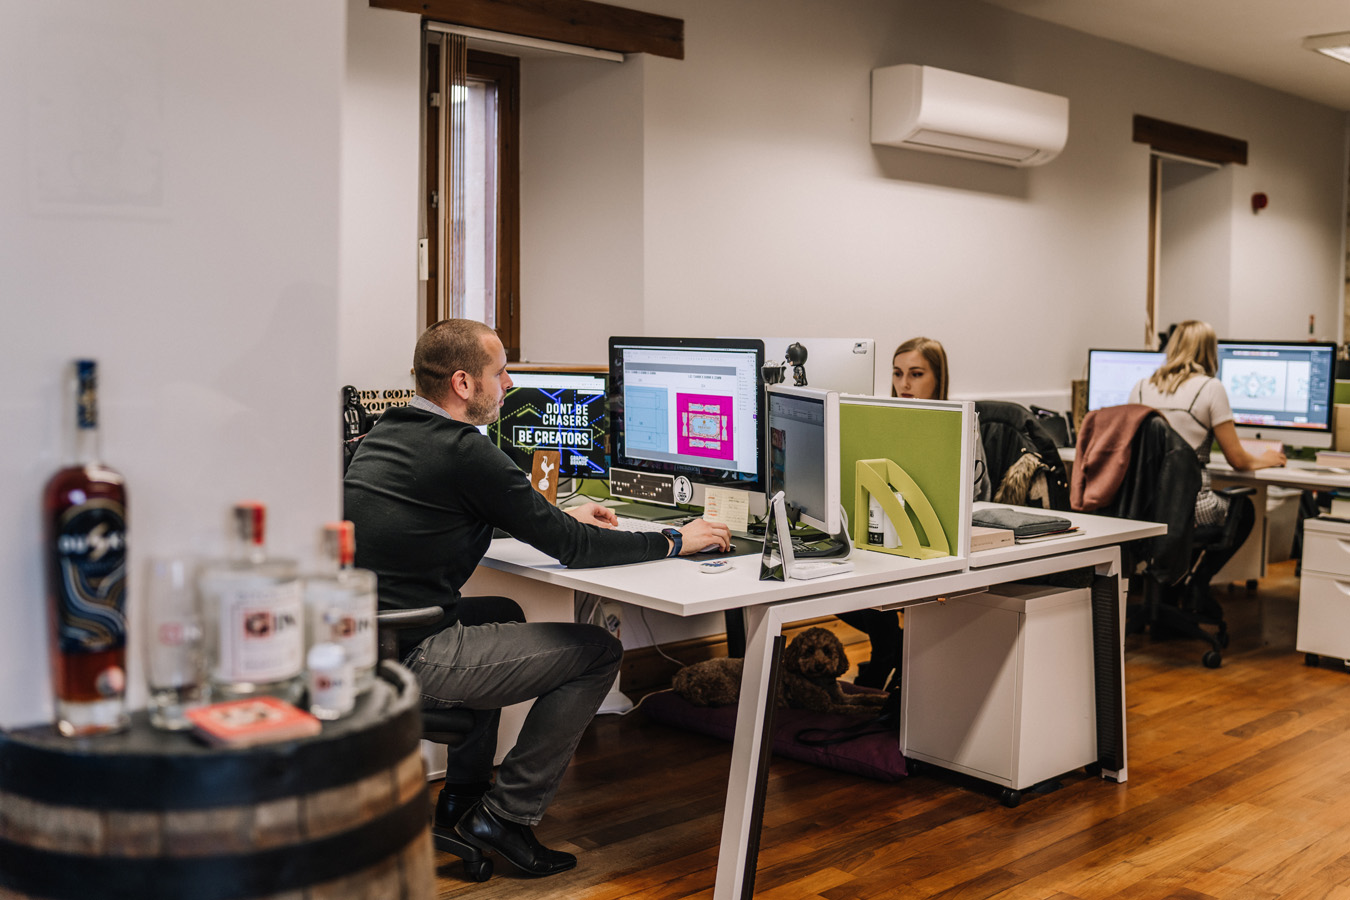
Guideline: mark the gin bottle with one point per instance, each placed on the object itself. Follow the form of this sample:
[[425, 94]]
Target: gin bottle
[[84, 507], [253, 613], [341, 603]]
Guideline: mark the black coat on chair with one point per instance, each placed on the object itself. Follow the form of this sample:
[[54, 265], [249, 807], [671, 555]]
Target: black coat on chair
[[1017, 449]]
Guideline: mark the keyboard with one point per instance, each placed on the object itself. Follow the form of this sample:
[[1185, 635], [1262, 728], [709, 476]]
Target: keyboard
[[629, 524]]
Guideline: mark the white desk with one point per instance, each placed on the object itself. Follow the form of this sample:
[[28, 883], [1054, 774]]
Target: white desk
[[1249, 562], [544, 588]]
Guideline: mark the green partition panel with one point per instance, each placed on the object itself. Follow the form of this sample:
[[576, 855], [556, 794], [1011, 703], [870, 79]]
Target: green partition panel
[[1341, 392], [924, 441]]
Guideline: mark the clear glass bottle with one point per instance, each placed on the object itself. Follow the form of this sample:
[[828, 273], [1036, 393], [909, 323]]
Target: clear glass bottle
[[84, 506], [253, 613], [340, 603]]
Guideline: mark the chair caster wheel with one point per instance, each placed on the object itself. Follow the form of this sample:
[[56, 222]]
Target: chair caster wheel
[[1010, 798], [479, 871], [1251, 585], [1212, 660], [1311, 659]]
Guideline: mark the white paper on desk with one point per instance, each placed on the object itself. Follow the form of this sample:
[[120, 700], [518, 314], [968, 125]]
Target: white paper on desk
[[731, 508]]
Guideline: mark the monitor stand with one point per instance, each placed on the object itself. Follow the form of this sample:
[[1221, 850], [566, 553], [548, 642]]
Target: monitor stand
[[838, 546]]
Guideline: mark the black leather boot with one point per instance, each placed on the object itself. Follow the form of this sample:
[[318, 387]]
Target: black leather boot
[[515, 842], [457, 799]]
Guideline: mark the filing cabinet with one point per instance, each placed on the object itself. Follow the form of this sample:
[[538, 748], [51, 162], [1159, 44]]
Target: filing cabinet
[[999, 685], [1324, 591]]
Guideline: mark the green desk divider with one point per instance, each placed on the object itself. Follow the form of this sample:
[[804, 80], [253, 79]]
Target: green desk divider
[[880, 478], [921, 437]]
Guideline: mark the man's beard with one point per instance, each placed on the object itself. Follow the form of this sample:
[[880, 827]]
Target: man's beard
[[481, 408]]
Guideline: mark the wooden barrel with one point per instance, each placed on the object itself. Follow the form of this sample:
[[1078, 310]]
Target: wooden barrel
[[149, 814]]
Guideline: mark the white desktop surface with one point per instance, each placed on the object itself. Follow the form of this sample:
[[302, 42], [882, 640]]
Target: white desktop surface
[[1094, 531], [1297, 473], [878, 580]]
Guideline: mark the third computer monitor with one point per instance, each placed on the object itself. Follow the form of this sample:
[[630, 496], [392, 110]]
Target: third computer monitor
[[555, 410], [1113, 373], [1280, 390], [804, 453]]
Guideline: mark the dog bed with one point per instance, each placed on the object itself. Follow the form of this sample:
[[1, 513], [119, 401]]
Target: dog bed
[[871, 756]]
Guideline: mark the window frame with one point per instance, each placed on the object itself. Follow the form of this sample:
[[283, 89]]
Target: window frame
[[504, 71]]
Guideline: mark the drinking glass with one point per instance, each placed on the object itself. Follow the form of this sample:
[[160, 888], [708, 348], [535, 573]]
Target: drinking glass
[[175, 659]]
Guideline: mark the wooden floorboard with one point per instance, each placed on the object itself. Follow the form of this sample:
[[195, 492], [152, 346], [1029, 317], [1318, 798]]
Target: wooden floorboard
[[1239, 789]]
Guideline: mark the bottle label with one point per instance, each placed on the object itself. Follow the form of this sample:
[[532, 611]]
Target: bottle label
[[347, 618], [91, 564], [261, 632]]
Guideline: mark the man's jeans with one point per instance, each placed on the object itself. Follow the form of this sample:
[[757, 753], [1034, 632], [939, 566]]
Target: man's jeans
[[491, 658]]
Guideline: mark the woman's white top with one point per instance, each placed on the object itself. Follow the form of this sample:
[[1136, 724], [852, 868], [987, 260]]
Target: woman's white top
[[1193, 409]]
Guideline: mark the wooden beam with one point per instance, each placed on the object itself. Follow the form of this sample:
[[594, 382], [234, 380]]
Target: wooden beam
[[1169, 137], [579, 22]]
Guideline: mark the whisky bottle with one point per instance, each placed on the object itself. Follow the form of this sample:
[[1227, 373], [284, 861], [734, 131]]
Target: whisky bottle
[[253, 616], [84, 507], [341, 603]]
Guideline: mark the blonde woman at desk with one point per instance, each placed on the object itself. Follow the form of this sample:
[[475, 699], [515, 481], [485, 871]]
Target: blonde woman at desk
[[918, 372], [1195, 404]]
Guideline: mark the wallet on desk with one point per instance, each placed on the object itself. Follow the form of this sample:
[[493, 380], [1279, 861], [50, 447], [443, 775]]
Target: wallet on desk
[[1021, 524]]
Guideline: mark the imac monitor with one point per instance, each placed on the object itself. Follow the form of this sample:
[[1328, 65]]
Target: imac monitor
[[1113, 373], [689, 407], [804, 453], [563, 411], [1280, 390]]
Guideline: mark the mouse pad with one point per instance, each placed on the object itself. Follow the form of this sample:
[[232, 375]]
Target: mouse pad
[[740, 546]]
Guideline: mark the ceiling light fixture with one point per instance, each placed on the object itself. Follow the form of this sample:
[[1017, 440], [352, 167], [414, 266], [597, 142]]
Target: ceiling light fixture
[[1337, 46]]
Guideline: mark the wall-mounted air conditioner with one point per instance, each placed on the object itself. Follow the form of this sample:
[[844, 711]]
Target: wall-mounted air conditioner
[[923, 108]]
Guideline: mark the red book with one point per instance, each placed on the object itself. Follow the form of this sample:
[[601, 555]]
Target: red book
[[254, 720]]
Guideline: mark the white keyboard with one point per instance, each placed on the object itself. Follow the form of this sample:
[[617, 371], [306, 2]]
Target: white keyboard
[[628, 524]]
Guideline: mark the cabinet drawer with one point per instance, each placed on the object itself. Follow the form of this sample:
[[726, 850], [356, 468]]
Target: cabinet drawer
[[1324, 615], [1324, 552]]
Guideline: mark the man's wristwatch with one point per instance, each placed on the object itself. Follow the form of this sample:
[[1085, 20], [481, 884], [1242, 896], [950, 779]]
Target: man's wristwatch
[[676, 538]]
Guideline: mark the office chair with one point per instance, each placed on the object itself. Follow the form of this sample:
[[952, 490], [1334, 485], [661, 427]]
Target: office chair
[[1056, 424], [1023, 458], [440, 726], [1159, 484]]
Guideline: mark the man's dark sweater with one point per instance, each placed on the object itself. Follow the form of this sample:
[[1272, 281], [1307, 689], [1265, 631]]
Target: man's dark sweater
[[425, 492]]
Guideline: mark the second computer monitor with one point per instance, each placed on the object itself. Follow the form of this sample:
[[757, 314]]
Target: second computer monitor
[[1280, 390], [1113, 373], [804, 453], [690, 407]]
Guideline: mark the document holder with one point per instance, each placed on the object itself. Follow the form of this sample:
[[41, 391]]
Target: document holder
[[874, 479]]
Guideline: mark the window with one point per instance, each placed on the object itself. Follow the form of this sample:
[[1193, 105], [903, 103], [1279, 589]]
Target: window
[[472, 177]]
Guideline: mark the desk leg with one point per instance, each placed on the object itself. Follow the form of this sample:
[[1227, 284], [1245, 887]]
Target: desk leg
[[1108, 654], [747, 782], [1249, 561]]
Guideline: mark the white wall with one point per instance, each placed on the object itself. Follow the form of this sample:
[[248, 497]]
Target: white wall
[[581, 206], [381, 159], [1195, 245], [169, 178]]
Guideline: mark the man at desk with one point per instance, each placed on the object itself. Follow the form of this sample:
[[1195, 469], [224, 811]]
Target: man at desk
[[425, 490]]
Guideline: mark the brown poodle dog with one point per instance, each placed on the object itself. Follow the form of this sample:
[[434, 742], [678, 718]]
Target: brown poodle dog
[[812, 664]]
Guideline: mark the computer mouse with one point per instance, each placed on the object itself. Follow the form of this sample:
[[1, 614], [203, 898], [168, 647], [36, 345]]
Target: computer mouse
[[715, 548]]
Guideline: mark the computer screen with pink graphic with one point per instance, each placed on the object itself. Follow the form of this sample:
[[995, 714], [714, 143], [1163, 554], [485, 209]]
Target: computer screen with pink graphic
[[688, 406]]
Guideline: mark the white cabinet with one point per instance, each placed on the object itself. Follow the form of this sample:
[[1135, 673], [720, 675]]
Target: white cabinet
[[999, 685], [1324, 591]]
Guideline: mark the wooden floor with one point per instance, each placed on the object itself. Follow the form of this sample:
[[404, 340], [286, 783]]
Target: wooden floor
[[1239, 789]]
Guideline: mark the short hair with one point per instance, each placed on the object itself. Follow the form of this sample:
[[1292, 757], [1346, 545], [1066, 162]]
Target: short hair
[[1193, 349], [449, 346], [933, 354]]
